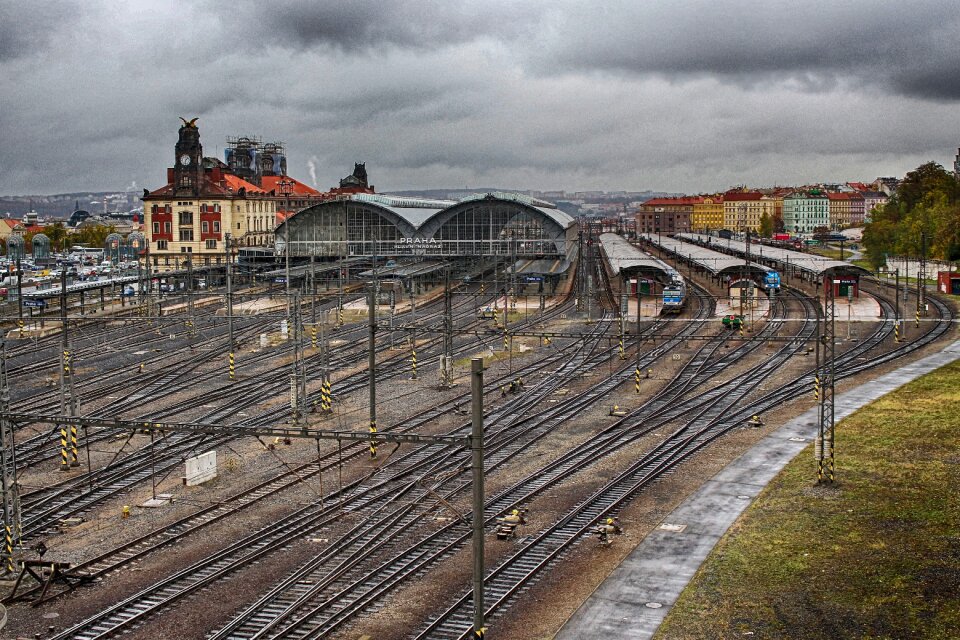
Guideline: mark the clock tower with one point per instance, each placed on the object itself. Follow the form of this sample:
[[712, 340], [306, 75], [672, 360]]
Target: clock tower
[[188, 161]]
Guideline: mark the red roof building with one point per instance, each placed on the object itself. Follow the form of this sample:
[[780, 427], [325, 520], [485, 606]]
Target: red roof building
[[188, 217], [846, 210], [666, 215]]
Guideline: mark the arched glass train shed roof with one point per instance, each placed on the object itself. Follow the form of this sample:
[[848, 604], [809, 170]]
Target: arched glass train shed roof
[[510, 225], [626, 259], [719, 264], [815, 265]]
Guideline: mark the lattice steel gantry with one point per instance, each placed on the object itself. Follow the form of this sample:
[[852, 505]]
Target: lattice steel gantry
[[826, 432]]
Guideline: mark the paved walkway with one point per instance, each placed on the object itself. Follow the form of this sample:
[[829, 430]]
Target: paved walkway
[[638, 594]]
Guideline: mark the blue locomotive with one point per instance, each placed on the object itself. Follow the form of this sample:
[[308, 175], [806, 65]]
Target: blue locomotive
[[771, 281], [674, 295]]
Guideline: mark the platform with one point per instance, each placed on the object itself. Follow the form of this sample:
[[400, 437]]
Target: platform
[[636, 597]]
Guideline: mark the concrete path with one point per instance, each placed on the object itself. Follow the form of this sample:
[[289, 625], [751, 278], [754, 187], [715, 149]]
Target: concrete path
[[637, 595]]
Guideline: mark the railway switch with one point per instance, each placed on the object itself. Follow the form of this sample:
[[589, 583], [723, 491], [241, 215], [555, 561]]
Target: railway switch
[[607, 530]]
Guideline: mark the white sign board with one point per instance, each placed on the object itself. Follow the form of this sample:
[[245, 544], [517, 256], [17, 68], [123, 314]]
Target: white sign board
[[201, 468]]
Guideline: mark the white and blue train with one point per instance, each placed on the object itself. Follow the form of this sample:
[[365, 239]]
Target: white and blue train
[[674, 294], [771, 281]]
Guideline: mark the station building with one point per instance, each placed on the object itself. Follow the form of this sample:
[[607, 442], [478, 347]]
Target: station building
[[205, 198], [499, 225]]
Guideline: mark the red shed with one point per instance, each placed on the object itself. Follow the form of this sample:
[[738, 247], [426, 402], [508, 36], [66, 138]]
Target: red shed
[[948, 282], [846, 286]]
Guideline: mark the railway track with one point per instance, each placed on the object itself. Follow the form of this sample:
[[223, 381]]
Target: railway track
[[45, 508], [513, 418], [527, 564], [251, 548], [342, 599], [113, 559]]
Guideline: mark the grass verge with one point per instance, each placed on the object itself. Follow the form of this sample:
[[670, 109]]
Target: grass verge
[[875, 556]]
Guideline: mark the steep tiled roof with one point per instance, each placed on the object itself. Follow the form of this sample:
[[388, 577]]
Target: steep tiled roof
[[296, 188], [738, 196], [228, 186], [666, 202], [235, 183], [844, 196]]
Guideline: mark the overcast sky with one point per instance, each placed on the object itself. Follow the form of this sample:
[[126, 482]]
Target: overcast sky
[[678, 95]]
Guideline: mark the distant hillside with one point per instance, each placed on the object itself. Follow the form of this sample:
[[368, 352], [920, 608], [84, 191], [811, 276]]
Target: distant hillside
[[63, 204], [552, 196]]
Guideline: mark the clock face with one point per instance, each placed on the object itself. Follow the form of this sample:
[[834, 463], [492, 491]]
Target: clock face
[[184, 159]]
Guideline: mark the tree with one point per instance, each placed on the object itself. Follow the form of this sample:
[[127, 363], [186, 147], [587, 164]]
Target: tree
[[778, 226], [766, 225], [57, 233], [926, 179], [93, 236], [926, 205]]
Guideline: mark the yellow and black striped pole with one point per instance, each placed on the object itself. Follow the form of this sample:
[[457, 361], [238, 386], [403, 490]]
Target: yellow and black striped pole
[[636, 379], [340, 316], [74, 458], [918, 317], [741, 328], [816, 387], [506, 341], [896, 331], [622, 355], [8, 546], [373, 443], [326, 402], [64, 451], [233, 367]]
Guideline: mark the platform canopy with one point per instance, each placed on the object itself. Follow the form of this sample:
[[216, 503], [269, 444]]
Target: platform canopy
[[813, 264], [719, 264], [627, 260]]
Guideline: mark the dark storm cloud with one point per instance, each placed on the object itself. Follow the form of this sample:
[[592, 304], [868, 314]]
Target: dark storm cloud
[[908, 48], [685, 95], [28, 27], [371, 25], [939, 81]]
